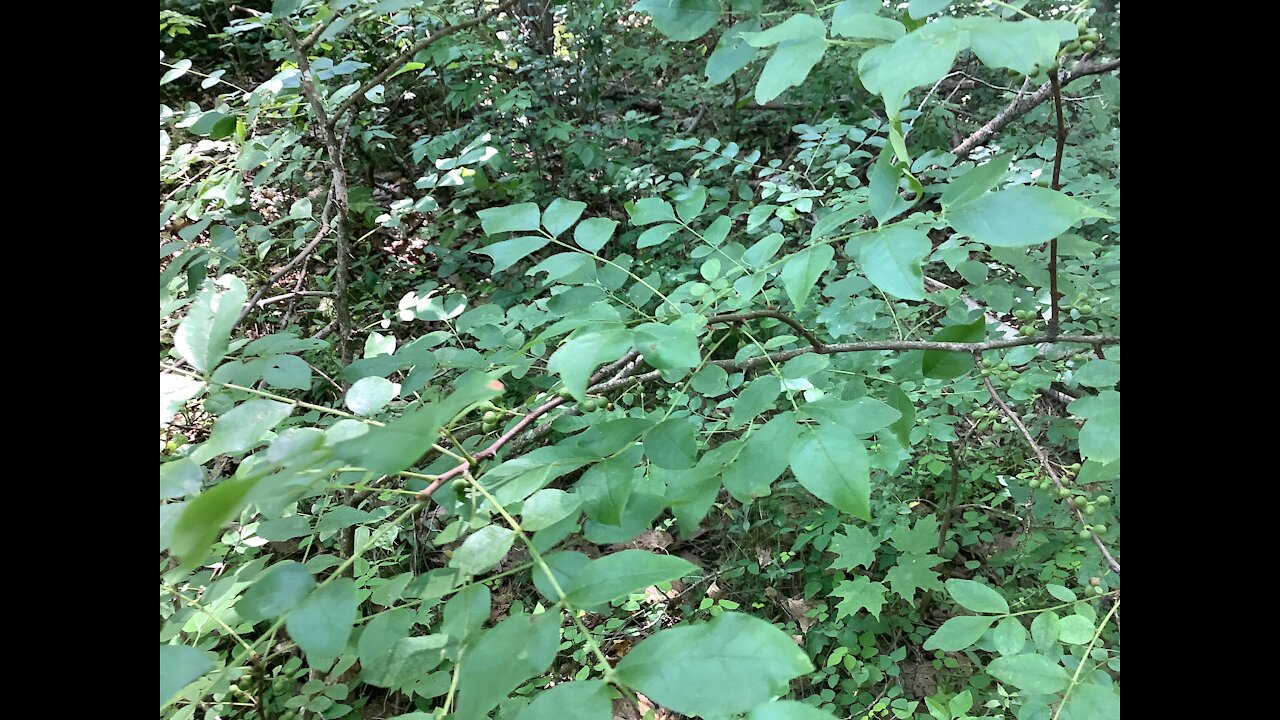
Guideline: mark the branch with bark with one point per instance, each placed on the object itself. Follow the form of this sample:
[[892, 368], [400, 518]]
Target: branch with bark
[[1024, 103]]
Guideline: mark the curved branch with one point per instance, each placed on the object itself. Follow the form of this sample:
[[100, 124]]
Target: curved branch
[[1023, 104], [1048, 468], [513, 439]]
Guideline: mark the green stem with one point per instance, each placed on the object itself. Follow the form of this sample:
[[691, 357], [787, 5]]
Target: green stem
[[1076, 677]]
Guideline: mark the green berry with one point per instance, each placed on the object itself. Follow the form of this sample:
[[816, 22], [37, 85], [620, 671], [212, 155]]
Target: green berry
[[1100, 529], [1088, 46], [1027, 330], [565, 394], [1085, 309], [490, 417], [1089, 508], [1064, 492], [1098, 590], [1103, 500], [608, 406], [1084, 534], [588, 405], [1004, 367], [1079, 501]]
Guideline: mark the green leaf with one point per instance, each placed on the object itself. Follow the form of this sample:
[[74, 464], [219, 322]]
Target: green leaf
[[882, 195], [592, 233], [287, 372], [180, 665], [921, 9], [1092, 702], [482, 550], [179, 69], [891, 256], [699, 669], [203, 517], [561, 214], [861, 417], [759, 255], [689, 208], [1045, 630], [548, 507], [368, 395], [322, 623], [175, 391], [755, 399], [565, 566], [1010, 636], [575, 360], [681, 20], [802, 270], [580, 700], [1075, 630], [901, 428], [398, 444], [377, 641], [912, 573], [857, 19], [411, 658], [1060, 592], [509, 252], [959, 633], [717, 231], [519, 648], [180, 478], [853, 546], [858, 594], [276, 591], [672, 444], [464, 614], [656, 235], [1099, 374], [202, 337], [764, 457], [945, 365], [1100, 436], [732, 52], [673, 346], [975, 183], [975, 596], [606, 487], [1030, 672], [617, 575], [524, 217], [1021, 45], [918, 58], [919, 538], [710, 381], [802, 41], [692, 492], [788, 710], [647, 211], [1019, 216], [832, 465]]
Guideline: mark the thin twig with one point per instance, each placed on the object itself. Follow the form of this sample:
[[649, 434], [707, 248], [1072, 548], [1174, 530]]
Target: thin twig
[[1048, 468], [1054, 298]]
